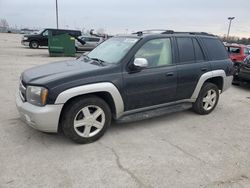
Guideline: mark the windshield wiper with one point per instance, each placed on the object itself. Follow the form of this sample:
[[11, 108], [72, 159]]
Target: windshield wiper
[[99, 61], [84, 58]]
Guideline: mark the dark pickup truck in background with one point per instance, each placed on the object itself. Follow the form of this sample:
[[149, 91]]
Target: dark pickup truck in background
[[41, 38]]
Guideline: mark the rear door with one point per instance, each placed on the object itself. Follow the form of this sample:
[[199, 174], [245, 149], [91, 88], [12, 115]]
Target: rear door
[[191, 65]]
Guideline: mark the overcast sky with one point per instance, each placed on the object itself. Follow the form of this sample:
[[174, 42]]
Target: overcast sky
[[118, 16]]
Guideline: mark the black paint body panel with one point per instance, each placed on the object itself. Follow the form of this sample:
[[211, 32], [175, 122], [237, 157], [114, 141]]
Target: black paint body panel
[[150, 86]]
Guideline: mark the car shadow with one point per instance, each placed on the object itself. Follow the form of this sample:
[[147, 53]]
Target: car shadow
[[243, 86], [25, 134], [154, 121]]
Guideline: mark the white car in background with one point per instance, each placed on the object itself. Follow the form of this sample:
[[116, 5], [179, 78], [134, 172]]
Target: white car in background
[[87, 43]]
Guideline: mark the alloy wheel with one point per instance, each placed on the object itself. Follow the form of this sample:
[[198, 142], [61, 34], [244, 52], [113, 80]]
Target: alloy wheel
[[89, 121], [209, 99]]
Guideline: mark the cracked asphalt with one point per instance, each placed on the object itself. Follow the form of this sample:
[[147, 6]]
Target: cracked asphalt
[[177, 150]]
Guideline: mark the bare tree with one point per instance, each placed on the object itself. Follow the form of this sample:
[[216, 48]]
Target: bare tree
[[4, 23], [100, 31]]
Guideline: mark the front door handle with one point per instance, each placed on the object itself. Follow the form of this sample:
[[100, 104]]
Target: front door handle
[[169, 74], [204, 69]]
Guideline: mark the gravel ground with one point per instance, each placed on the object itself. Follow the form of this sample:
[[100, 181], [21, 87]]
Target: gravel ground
[[178, 150]]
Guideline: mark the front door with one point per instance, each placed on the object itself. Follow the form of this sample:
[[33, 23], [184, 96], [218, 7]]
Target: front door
[[155, 84], [44, 38]]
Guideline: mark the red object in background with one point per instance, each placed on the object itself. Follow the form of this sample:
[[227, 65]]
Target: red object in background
[[237, 52]]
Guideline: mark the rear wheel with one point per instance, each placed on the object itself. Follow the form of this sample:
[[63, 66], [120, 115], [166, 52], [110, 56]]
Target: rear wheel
[[85, 120], [207, 99], [34, 44]]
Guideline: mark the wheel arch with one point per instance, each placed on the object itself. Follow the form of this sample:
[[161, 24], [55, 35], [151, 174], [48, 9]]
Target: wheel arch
[[216, 77], [106, 90], [218, 81]]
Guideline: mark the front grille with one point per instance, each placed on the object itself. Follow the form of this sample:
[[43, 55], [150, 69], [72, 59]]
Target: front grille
[[22, 90]]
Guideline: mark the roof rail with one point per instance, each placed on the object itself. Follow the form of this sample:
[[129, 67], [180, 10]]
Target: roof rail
[[154, 31], [194, 33], [162, 31]]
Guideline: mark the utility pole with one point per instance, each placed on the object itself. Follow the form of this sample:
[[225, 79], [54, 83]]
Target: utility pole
[[229, 27], [56, 15]]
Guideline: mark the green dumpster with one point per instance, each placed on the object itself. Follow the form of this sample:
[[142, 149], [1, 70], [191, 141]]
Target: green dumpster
[[61, 45]]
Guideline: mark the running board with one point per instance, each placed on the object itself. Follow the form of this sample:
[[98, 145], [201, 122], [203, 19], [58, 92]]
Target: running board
[[153, 113]]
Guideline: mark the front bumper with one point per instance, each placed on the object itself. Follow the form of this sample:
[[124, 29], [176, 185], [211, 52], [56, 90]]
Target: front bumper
[[25, 43], [44, 118]]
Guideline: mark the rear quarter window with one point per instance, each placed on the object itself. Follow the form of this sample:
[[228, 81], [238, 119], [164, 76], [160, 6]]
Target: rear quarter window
[[216, 50]]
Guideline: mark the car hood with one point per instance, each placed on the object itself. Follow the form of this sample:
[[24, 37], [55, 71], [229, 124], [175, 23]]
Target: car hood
[[44, 74], [30, 35]]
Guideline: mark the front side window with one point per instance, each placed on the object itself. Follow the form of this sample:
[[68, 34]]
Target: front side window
[[46, 33], [157, 52], [113, 49], [86, 39]]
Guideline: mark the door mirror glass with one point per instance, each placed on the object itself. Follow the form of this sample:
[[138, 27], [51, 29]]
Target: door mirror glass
[[141, 62]]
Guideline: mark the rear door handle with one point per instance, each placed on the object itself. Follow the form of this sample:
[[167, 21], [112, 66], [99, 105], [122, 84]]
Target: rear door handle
[[169, 74], [204, 69]]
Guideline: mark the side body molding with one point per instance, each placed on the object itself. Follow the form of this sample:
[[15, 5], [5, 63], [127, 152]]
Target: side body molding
[[92, 88], [206, 76]]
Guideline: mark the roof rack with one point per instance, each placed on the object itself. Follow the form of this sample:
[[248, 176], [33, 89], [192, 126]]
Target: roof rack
[[154, 31], [162, 31], [194, 33]]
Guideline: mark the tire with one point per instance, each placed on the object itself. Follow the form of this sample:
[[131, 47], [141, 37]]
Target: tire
[[79, 123], [207, 99], [34, 44]]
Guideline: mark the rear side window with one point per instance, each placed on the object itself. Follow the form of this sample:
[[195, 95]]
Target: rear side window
[[75, 33], [58, 32], [233, 50], [199, 55], [186, 49], [216, 50], [94, 39], [246, 51]]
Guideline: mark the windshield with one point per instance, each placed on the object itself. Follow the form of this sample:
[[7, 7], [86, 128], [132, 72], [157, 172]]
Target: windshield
[[40, 31], [113, 50]]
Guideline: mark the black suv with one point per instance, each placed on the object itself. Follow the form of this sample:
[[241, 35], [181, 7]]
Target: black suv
[[125, 78], [41, 38]]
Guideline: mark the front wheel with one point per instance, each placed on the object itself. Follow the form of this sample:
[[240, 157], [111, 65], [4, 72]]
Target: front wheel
[[34, 44], [86, 119], [207, 99]]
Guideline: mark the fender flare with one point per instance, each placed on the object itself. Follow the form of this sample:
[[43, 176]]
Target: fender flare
[[63, 97], [204, 77]]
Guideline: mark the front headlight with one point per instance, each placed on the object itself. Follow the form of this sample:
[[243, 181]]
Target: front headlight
[[25, 38], [36, 95]]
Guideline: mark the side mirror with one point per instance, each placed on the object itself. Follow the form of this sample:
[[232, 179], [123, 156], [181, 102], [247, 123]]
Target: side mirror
[[140, 63]]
